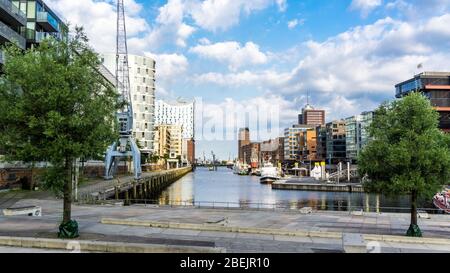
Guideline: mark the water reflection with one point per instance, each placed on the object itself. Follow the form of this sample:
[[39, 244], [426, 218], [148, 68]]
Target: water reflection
[[225, 189]]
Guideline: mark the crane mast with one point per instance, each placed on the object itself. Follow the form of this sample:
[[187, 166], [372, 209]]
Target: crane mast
[[126, 145]]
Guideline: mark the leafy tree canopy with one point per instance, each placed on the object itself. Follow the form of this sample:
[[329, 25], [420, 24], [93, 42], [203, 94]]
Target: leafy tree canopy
[[408, 153]]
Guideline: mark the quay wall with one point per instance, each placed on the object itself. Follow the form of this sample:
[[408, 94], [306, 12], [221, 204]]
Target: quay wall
[[319, 187]]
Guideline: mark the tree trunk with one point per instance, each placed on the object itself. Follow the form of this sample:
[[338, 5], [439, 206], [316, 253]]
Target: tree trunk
[[414, 207], [414, 230], [68, 191]]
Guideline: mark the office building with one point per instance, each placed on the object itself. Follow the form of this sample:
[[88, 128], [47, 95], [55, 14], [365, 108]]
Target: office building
[[436, 87], [321, 133], [311, 116], [308, 145], [336, 143], [142, 93], [162, 141], [291, 141]]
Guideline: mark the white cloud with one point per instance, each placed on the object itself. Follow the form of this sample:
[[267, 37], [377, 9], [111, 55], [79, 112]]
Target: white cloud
[[216, 15], [293, 23], [365, 6], [265, 115], [169, 65], [356, 69], [98, 19], [232, 53]]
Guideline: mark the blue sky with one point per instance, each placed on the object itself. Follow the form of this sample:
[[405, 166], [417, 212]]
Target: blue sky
[[251, 55]]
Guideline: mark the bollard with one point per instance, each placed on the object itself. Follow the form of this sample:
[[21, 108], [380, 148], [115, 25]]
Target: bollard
[[127, 199], [134, 191], [116, 192]]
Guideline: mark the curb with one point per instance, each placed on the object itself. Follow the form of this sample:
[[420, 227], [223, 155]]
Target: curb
[[101, 246], [268, 231], [209, 227]]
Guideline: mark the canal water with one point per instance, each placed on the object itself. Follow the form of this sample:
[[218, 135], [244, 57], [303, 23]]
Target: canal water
[[223, 188]]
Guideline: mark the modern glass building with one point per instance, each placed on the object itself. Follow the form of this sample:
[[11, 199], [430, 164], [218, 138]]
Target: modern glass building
[[12, 20], [41, 22], [336, 143], [436, 87], [356, 134], [292, 143]]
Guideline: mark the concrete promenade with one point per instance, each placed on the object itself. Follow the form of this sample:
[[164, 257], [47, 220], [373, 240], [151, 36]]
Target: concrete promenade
[[233, 230]]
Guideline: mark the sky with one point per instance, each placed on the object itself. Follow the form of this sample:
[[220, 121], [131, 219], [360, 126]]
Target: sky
[[240, 57]]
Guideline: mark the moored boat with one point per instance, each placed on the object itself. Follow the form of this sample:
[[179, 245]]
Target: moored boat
[[269, 174]]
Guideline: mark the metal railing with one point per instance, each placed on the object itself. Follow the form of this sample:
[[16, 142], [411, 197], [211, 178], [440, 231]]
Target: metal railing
[[46, 17], [279, 206], [11, 35], [14, 11]]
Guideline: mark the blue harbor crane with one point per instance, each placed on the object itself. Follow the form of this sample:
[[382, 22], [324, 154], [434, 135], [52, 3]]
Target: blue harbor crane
[[126, 145]]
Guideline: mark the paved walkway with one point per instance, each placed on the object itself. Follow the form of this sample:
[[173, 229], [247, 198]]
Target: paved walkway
[[89, 218]]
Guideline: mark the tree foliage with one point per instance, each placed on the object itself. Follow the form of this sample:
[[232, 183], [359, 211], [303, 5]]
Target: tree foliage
[[408, 154], [55, 106], [408, 151]]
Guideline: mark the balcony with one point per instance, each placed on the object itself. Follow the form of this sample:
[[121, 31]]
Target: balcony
[[11, 14], [9, 35], [46, 20]]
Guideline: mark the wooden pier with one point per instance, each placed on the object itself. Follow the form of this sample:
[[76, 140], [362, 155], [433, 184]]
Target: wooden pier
[[128, 188]]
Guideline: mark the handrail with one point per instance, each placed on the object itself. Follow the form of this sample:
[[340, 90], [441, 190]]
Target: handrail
[[246, 205]]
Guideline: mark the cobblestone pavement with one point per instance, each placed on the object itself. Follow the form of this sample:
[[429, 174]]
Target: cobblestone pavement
[[89, 217]]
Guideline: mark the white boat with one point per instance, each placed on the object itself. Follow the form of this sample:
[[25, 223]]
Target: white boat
[[240, 169], [269, 174]]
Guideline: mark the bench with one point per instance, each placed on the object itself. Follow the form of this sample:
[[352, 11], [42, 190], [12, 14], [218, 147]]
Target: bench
[[306, 210], [30, 211], [353, 243], [357, 212]]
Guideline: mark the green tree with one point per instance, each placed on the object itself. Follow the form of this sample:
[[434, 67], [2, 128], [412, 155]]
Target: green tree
[[408, 153], [56, 107]]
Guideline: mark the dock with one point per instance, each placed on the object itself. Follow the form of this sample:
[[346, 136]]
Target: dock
[[311, 185], [126, 188]]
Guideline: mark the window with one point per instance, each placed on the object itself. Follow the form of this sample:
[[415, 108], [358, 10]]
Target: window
[[139, 70]]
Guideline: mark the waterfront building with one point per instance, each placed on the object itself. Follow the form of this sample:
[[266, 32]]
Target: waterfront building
[[142, 93], [311, 116], [243, 140], [291, 141], [336, 143], [273, 150], [162, 141], [251, 153], [180, 113], [176, 113], [176, 140], [436, 87], [12, 21], [191, 151], [352, 137], [321, 133], [308, 145], [42, 22]]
